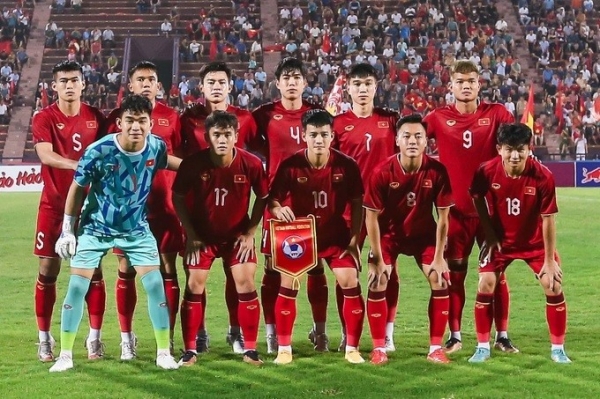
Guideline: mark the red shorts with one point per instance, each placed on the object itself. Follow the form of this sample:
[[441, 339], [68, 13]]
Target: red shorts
[[332, 254], [225, 250], [422, 250], [47, 232], [168, 233], [462, 233], [500, 261]]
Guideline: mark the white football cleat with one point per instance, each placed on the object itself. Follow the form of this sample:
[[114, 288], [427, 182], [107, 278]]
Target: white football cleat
[[45, 349], [236, 340], [63, 363], [389, 345], [128, 349], [272, 345], [166, 361]]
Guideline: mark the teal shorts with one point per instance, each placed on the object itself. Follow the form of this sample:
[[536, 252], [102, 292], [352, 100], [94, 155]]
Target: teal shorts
[[139, 251]]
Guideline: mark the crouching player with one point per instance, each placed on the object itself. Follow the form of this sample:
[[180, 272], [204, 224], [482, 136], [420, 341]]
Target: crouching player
[[120, 168], [211, 195], [322, 182], [399, 199], [519, 224]]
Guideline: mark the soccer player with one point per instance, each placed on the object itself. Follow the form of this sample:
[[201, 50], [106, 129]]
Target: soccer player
[[61, 133], [466, 136], [280, 125], [400, 195], [212, 193], [367, 134], [515, 198], [164, 224], [119, 169], [215, 80], [322, 182]]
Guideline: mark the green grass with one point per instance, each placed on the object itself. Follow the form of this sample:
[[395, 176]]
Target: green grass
[[530, 374]]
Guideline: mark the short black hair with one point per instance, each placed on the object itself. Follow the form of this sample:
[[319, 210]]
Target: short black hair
[[142, 65], [514, 134], [317, 118], [290, 64], [412, 118], [222, 119], [217, 66], [136, 104], [362, 70], [67, 66]]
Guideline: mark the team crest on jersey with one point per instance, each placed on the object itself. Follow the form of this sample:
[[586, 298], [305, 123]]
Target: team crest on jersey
[[61, 126], [451, 123], [163, 122], [394, 184], [383, 124], [302, 179], [427, 183], [293, 247], [529, 190], [239, 179], [484, 122], [205, 176], [495, 186], [150, 162], [278, 117], [91, 124], [349, 127], [338, 177]]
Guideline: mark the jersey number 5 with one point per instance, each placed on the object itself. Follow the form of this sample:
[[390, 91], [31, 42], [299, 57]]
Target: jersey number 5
[[76, 143]]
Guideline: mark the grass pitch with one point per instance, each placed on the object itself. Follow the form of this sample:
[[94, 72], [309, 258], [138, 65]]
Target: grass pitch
[[529, 374]]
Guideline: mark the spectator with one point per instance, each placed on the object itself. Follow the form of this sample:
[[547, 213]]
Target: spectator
[[154, 4], [108, 38], [196, 50], [59, 5], [243, 100], [581, 148], [261, 77], [166, 27], [4, 112]]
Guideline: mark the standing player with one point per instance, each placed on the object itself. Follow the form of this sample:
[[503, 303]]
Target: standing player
[[466, 136], [280, 124], [215, 80], [322, 182], [367, 134], [519, 223], [120, 168], [212, 196], [61, 133], [164, 224], [399, 199]]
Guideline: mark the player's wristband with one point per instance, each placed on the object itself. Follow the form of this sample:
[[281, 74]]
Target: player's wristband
[[68, 224]]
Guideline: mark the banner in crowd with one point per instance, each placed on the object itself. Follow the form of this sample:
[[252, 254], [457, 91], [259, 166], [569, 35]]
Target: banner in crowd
[[587, 174], [294, 246], [21, 178]]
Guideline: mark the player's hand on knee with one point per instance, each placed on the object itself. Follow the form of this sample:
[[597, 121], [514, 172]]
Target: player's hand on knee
[[550, 274], [245, 243], [193, 247], [379, 275], [66, 245], [440, 268], [353, 250], [284, 213]]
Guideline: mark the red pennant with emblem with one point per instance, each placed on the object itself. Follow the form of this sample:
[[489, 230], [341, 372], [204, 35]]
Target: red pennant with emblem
[[294, 246]]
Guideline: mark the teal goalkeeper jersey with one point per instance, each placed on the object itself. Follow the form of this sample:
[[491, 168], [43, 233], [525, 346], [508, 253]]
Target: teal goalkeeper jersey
[[120, 184]]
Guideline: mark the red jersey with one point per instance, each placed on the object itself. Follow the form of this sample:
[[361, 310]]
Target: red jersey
[[406, 200], [69, 136], [464, 142], [218, 198], [369, 140], [324, 193], [515, 204], [192, 127], [165, 124], [281, 132]]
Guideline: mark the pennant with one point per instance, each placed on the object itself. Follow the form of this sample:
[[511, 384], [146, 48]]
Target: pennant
[[294, 246], [527, 117], [334, 101]]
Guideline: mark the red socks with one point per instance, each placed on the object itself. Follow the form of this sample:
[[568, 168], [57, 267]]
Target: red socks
[[501, 304], [96, 301], [354, 314], [556, 317], [439, 303], [172, 293], [377, 314], [231, 299], [249, 316], [318, 295], [392, 293], [269, 294], [45, 297], [285, 315], [484, 314], [126, 300], [456, 292], [192, 313]]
